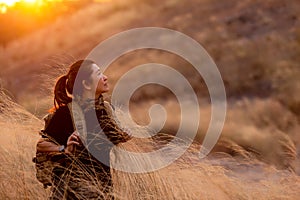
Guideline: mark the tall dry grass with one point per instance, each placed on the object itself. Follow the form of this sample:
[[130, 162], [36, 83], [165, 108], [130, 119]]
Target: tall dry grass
[[220, 176], [262, 129], [256, 50], [18, 138]]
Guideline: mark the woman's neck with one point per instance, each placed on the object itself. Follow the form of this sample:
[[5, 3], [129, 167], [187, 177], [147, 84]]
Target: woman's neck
[[89, 96]]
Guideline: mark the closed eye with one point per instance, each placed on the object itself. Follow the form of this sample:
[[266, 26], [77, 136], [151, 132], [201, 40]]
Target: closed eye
[[99, 72]]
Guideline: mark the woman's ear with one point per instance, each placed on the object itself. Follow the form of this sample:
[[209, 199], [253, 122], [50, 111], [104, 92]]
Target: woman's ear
[[86, 85]]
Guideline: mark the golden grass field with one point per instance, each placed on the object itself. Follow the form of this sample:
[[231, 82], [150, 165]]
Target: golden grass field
[[220, 176], [256, 46]]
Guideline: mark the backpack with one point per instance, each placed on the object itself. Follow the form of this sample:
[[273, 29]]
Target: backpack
[[46, 162]]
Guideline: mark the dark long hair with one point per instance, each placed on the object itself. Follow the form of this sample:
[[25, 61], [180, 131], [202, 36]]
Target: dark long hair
[[63, 90]]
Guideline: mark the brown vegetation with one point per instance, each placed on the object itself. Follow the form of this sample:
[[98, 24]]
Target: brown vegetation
[[256, 46], [216, 177]]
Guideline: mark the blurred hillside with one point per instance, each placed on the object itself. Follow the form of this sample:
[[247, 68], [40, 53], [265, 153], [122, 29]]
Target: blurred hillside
[[255, 44]]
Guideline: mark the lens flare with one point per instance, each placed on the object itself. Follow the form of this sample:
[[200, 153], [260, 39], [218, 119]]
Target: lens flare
[[5, 4], [8, 2]]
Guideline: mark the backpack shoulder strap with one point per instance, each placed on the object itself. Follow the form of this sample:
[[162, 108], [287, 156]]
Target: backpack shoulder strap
[[47, 119], [78, 120]]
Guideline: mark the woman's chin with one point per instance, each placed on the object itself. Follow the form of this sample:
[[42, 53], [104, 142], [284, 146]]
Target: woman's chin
[[104, 91]]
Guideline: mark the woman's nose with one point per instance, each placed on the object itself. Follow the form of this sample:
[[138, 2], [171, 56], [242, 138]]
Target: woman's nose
[[104, 77]]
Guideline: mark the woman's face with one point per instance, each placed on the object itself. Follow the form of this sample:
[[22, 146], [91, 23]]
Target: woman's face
[[99, 81]]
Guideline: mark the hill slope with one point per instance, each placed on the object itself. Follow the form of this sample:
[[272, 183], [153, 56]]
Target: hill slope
[[254, 43], [216, 177]]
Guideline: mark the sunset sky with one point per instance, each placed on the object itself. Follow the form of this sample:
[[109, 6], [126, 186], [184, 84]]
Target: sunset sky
[[6, 4], [21, 17]]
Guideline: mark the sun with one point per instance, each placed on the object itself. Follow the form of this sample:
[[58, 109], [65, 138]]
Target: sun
[[12, 2], [30, 1], [5, 4], [8, 2]]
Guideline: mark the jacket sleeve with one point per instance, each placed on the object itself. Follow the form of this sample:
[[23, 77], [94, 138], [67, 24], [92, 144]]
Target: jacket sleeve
[[110, 127]]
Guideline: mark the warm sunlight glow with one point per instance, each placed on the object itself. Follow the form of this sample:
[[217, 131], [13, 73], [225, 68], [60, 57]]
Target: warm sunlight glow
[[30, 1], [8, 2], [3, 9], [4, 4]]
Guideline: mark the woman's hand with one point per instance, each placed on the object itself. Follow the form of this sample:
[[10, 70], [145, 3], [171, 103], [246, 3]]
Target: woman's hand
[[72, 142]]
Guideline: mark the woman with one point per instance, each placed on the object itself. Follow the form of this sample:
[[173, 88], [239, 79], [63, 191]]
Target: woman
[[81, 175]]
